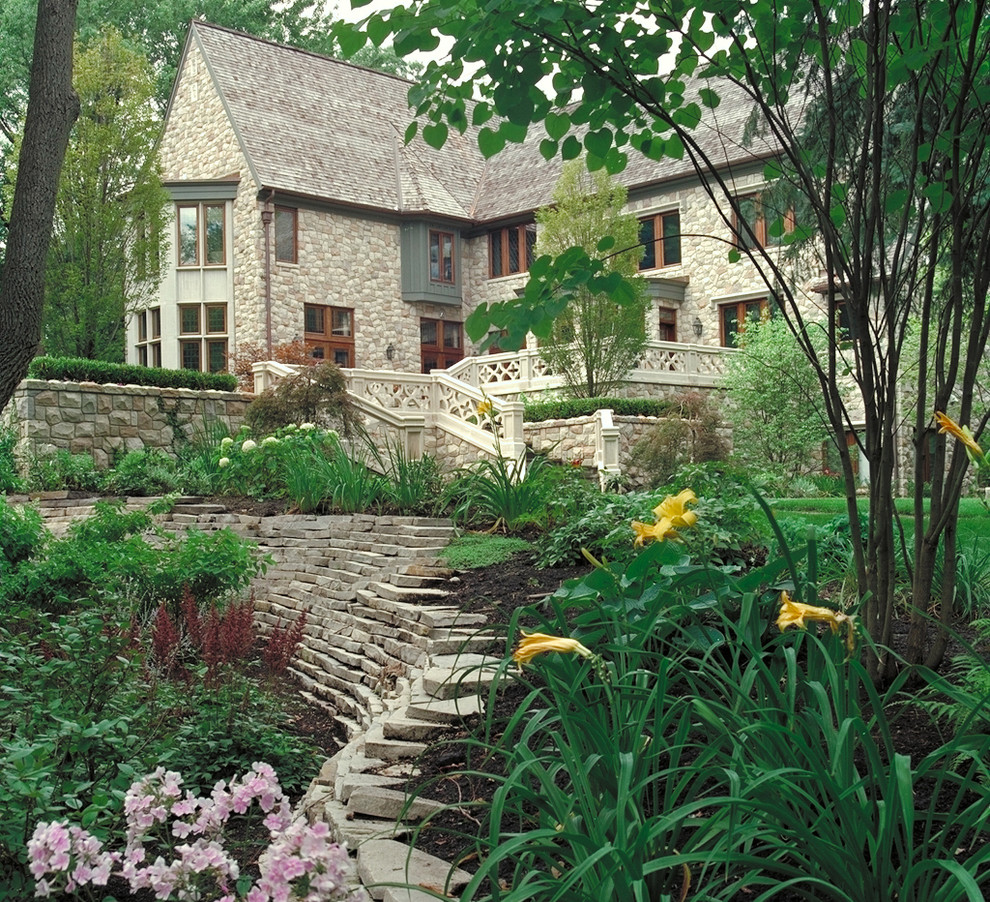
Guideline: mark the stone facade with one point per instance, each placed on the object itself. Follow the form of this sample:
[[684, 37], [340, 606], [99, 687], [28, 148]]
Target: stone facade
[[106, 420]]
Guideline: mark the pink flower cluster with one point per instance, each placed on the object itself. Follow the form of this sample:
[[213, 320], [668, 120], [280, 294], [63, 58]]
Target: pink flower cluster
[[63, 858], [301, 860]]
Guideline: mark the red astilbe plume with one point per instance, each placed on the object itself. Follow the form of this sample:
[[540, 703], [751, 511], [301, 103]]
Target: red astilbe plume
[[165, 642], [227, 638], [282, 644], [190, 613]]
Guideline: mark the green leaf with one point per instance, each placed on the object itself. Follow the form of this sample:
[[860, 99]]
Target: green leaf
[[734, 256], [557, 125], [350, 40], [411, 130], [598, 142], [709, 98], [435, 134], [490, 142], [548, 149], [378, 29], [571, 148]]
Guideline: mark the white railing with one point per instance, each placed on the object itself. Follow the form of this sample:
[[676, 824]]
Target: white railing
[[448, 400], [525, 372]]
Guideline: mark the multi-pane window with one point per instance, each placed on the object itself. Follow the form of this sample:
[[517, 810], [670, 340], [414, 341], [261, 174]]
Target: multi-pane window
[[441, 343], [329, 333], [149, 343], [202, 336], [510, 250], [660, 236], [442, 257], [668, 323], [766, 224], [202, 239], [286, 235], [733, 318]]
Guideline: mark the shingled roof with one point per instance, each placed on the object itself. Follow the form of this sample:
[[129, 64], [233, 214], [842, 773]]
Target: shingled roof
[[317, 127]]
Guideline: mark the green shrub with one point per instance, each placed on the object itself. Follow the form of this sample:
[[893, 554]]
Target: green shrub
[[562, 409], [147, 472], [61, 470], [77, 369], [688, 434], [22, 534], [10, 481], [317, 395]]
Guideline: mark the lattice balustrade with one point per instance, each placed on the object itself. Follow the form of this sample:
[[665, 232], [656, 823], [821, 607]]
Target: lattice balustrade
[[395, 393]]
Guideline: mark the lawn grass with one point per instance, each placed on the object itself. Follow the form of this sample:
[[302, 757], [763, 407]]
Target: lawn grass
[[974, 518]]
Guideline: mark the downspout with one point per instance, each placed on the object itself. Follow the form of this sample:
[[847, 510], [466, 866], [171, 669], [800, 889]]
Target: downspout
[[267, 216]]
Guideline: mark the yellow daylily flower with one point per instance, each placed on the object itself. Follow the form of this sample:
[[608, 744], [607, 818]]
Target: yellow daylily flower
[[672, 514], [794, 613], [962, 433], [540, 643], [484, 408]]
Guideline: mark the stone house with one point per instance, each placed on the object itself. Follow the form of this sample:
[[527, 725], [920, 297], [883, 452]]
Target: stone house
[[301, 213]]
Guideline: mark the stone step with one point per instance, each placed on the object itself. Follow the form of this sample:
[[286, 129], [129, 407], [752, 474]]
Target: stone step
[[400, 726], [443, 711], [381, 802], [445, 618], [412, 581], [384, 861], [444, 683], [444, 641], [345, 828], [398, 593], [377, 746], [352, 781], [428, 569]]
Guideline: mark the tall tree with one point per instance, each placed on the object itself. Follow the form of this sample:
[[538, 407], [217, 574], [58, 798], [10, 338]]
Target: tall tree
[[594, 342], [880, 110], [52, 108], [105, 254]]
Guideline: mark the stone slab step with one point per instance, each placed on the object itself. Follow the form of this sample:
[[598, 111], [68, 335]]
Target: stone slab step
[[352, 781], [345, 828], [445, 683], [384, 861], [383, 803], [445, 618], [399, 725], [399, 593], [444, 641], [411, 581], [377, 746], [444, 711]]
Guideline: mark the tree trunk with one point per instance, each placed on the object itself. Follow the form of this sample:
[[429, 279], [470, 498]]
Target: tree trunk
[[52, 111]]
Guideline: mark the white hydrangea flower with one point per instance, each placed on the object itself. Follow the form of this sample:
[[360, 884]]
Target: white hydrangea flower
[[306, 427], [249, 445], [271, 440], [225, 443], [223, 462]]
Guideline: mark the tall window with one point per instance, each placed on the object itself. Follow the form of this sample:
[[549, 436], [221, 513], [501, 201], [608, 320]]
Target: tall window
[[660, 236], [202, 238], [149, 343], [442, 257], [510, 250], [733, 318], [286, 235], [668, 323], [329, 333], [762, 220], [441, 343], [202, 336]]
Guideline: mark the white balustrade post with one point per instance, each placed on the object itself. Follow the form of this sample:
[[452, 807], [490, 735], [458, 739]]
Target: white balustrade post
[[513, 440], [259, 371], [606, 447]]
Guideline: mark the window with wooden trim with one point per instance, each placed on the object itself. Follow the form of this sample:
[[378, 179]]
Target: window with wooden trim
[[668, 323], [442, 257], [734, 316], [329, 333], [149, 344], [202, 238], [766, 226], [203, 337], [660, 236], [441, 343], [286, 235], [510, 249]]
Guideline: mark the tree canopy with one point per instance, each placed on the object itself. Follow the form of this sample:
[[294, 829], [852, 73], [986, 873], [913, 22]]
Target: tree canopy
[[594, 342], [880, 110]]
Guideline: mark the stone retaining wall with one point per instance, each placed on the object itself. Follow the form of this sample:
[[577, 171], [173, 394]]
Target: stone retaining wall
[[104, 420]]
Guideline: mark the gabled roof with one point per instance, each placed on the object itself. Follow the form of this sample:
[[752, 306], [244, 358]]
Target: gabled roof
[[320, 128], [317, 127]]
